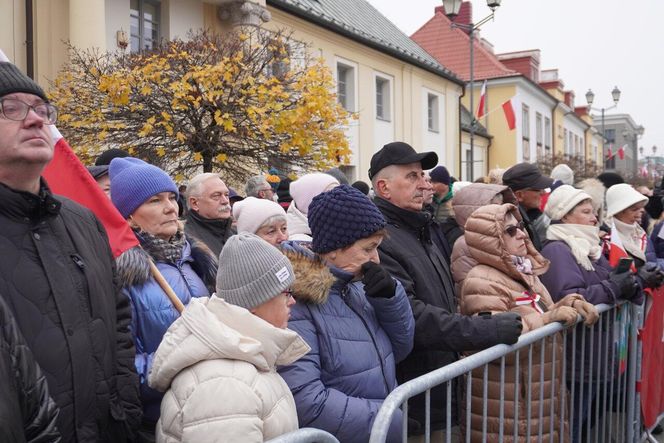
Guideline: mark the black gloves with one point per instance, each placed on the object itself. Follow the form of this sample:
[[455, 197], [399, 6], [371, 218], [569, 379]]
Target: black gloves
[[651, 275], [508, 326], [626, 283], [377, 281]]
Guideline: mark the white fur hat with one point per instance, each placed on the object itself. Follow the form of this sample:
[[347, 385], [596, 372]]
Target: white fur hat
[[252, 212], [305, 188], [562, 200], [563, 173], [620, 197]]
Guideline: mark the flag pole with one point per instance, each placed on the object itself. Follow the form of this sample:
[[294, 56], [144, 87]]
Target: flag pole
[[177, 304]]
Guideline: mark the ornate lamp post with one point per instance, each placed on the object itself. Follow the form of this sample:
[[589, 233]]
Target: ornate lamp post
[[590, 97], [452, 8]]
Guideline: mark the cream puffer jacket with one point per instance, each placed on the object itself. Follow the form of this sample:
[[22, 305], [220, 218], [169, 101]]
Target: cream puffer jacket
[[217, 364]]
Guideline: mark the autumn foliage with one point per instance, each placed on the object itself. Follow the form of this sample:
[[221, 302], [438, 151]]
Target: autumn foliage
[[236, 103]]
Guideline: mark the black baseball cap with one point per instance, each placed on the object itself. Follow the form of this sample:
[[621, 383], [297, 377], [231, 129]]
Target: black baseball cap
[[98, 171], [526, 176], [400, 153]]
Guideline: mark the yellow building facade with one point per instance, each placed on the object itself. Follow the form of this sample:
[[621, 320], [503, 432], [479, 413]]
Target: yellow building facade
[[423, 103]]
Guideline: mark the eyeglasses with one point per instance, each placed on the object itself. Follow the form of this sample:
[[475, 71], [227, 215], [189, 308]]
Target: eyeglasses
[[17, 110], [511, 229], [288, 293]]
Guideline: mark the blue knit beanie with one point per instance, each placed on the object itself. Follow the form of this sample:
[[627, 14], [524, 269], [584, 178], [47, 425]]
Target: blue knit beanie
[[340, 217], [133, 182]]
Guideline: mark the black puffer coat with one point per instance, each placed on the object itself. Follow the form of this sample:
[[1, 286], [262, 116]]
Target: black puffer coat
[[409, 254], [27, 412], [57, 275]]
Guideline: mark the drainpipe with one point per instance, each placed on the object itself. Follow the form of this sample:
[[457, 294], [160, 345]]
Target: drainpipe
[[29, 44], [463, 92]]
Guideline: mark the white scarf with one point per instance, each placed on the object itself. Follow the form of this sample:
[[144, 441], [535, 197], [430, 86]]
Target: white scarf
[[633, 237], [583, 241]]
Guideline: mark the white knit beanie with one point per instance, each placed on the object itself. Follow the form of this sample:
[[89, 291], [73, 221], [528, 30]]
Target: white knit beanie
[[252, 212], [252, 271], [305, 188], [620, 197], [563, 173], [562, 200]]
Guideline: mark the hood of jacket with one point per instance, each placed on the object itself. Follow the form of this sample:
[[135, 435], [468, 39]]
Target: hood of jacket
[[484, 238], [596, 190], [298, 224], [475, 195], [313, 278], [133, 265], [212, 329]]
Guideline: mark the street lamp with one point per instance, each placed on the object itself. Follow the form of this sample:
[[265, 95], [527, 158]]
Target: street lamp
[[590, 98], [452, 8]]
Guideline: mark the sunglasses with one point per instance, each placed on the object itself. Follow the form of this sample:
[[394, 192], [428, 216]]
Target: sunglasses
[[511, 229]]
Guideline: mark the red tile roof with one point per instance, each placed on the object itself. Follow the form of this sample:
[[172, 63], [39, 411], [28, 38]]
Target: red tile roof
[[451, 47]]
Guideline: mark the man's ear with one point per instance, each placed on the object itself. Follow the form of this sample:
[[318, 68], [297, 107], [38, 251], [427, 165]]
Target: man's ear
[[382, 188], [519, 196], [193, 203]]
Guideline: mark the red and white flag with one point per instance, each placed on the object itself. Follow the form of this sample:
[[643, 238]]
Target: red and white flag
[[644, 171], [616, 249], [67, 176], [510, 116], [621, 152], [609, 153], [481, 107]]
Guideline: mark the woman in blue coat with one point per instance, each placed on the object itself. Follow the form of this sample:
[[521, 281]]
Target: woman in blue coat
[[352, 313], [147, 197]]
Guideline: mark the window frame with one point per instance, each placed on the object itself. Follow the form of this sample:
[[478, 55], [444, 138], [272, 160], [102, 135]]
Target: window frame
[[156, 20]]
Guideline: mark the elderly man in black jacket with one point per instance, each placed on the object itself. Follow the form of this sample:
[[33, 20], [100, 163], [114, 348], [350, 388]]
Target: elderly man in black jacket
[[57, 275], [409, 254]]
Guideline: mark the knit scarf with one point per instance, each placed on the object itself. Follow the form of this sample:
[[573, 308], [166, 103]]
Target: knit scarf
[[523, 264], [583, 241], [168, 251], [633, 237]]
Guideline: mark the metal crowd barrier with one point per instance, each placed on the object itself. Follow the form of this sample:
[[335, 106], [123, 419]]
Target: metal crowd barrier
[[305, 435], [609, 349]]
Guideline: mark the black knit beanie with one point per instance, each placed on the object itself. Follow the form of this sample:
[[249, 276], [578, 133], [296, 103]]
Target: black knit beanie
[[340, 217], [13, 80]]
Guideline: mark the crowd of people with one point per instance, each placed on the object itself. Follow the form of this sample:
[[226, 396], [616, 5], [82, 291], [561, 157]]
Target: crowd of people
[[300, 304]]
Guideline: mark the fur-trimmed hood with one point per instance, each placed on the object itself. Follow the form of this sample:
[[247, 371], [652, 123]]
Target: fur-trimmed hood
[[133, 265], [313, 279]]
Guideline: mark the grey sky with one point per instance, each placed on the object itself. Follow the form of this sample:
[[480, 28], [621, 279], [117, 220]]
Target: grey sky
[[596, 44]]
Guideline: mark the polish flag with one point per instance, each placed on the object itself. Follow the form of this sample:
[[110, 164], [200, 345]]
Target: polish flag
[[482, 105], [609, 154], [67, 176], [621, 152], [644, 171], [508, 109], [616, 249]]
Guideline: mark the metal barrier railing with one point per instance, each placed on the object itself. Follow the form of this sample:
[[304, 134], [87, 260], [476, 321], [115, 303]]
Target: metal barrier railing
[[598, 366], [305, 435]]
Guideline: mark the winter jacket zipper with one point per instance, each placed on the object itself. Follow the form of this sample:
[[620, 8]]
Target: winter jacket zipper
[[344, 297]]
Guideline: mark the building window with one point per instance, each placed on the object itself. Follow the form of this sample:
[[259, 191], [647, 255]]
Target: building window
[[539, 135], [346, 86], [383, 99], [610, 135], [565, 143], [432, 112], [144, 24], [525, 126], [547, 133]]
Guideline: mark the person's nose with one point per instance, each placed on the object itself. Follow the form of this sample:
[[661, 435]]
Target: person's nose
[[33, 119], [282, 236], [171, 206], [291, 301], [374, 256]]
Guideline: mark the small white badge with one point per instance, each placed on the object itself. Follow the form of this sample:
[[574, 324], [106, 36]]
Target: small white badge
[[283, 274]]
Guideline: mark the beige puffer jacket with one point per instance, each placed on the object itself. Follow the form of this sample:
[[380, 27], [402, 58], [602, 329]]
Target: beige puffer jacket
[[494, 286], [217, 364], [465, 202]]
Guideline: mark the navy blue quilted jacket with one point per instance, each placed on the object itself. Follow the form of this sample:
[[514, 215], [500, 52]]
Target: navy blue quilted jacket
[[355, 340]]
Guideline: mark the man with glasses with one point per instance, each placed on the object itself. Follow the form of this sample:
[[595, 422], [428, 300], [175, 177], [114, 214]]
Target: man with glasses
[[57, 276], [529, 185], [257, 186]]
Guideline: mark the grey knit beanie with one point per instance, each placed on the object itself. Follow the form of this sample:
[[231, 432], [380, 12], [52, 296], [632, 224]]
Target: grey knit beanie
[[252, 271], [13, 80]]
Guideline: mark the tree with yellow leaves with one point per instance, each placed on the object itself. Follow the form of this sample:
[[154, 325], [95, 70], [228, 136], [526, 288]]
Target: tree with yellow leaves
[[236, 103]]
